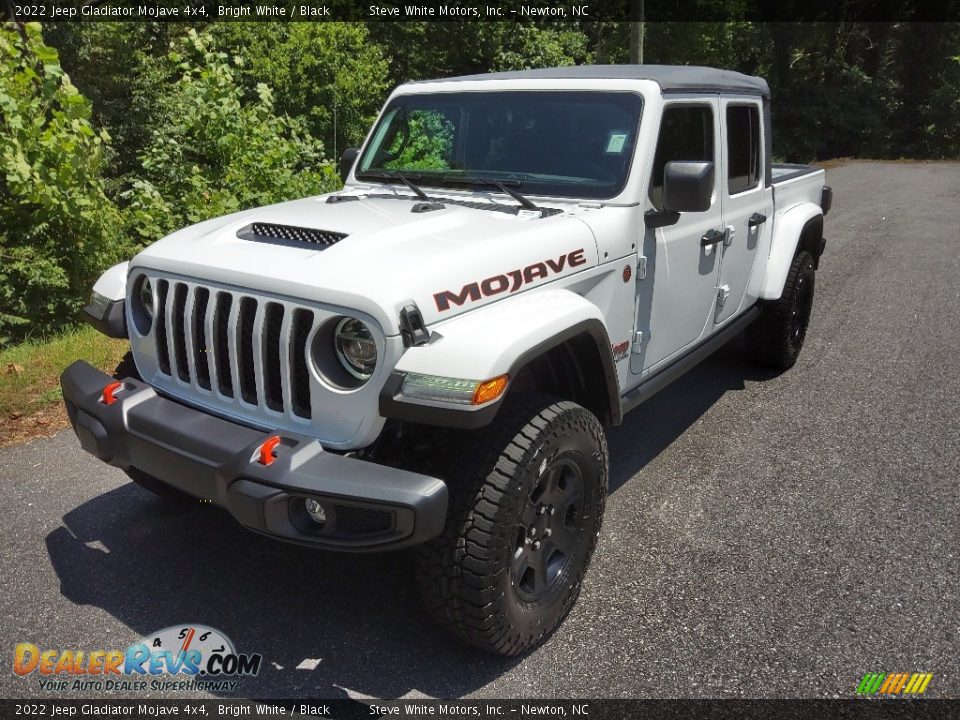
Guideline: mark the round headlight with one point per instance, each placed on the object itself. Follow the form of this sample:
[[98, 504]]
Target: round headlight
[[355, 348]]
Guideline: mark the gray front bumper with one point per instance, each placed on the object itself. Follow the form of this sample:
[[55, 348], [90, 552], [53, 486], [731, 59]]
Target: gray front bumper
[[370, 507]]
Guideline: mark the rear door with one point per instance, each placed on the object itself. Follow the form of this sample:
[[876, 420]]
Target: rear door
[[746, 198], [675, 301]]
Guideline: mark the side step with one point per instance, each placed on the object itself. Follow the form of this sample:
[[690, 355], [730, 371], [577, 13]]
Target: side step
[[658, 381]]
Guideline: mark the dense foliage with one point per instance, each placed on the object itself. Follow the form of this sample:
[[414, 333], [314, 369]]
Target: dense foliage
[[216, 149], [149, 126], [328, 74], [57, 225]]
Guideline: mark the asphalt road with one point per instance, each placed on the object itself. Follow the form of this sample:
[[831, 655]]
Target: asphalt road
[[766, 536]]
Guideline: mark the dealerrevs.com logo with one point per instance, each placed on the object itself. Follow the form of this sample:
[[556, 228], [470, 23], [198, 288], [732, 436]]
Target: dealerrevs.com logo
[[183, 657]]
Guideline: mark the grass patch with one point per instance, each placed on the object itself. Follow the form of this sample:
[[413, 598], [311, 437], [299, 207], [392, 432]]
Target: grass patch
[[30, 393]]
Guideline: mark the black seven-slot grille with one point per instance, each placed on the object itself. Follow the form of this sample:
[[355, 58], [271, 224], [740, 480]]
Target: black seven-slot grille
[[243, 346], [289, 235]]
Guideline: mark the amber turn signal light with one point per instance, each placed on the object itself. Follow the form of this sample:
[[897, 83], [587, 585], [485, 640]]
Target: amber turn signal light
[[490, 390]]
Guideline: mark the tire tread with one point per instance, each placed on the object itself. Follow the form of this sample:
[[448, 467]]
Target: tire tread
[[767, 338], [458, 572]]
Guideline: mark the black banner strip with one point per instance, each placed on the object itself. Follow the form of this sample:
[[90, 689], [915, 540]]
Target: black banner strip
[[340, 709], [531, 11]]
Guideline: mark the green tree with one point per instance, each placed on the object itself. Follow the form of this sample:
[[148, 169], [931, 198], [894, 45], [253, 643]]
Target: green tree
[[218, 149], [57, 227], [329, 74], [120, 68], [536, 47], [418, 50]]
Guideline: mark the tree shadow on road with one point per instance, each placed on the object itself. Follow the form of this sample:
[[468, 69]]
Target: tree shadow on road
[[153, 565]]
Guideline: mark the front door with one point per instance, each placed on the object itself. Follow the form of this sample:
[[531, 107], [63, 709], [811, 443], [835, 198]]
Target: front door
[[747, 201], [675, 302]]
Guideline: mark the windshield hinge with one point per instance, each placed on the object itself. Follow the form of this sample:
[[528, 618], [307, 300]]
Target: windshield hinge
[[412, 328]]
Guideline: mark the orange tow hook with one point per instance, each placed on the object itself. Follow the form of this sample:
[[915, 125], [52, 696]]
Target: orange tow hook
[[267, 450], [107, 397]]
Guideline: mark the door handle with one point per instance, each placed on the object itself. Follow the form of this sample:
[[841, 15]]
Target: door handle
[[756, 219], [712, 237]]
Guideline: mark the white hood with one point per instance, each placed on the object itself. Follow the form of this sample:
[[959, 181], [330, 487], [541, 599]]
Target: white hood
[[389, 257]]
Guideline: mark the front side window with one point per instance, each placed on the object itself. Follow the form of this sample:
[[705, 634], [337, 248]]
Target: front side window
[[565, 144], [686, 135], [743, 148]]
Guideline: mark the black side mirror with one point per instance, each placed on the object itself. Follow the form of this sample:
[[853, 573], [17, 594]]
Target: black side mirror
[[346, 162], [687, 186]]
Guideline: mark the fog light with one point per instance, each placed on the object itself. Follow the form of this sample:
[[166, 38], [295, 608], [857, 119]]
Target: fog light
[[316, 512]]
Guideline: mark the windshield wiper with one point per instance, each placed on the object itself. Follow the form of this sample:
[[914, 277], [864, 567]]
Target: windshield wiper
[[394, 175], [504, 186]]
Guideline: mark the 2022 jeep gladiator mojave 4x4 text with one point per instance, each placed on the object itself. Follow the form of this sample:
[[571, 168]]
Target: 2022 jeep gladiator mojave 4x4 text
[[429, 356]]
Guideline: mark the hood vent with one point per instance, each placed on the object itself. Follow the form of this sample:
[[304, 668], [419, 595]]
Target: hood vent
[[289, 235]]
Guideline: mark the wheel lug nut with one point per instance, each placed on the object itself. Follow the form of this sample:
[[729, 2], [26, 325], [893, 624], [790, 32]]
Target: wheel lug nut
[[541, 510], [536, 545], [548, 532], [533, 532], [553, 510]]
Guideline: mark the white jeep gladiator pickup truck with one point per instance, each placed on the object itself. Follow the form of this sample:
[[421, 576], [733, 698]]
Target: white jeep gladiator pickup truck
[[429, 357]]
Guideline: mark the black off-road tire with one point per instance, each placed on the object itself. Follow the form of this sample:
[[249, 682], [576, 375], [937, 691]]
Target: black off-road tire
[[776, 338], [541, 466], [127, 369]]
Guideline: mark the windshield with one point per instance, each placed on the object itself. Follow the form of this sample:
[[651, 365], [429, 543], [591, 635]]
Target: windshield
[[566, 144]]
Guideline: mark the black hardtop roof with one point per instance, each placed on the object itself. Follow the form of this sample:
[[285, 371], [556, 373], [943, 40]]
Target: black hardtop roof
[[668, 77]]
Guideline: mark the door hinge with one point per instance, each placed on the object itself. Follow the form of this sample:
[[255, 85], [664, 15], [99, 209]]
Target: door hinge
[[637, 342], [723, 292], [642, 268]]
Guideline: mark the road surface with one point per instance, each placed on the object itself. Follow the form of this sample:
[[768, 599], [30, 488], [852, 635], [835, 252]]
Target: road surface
[[766, 536]]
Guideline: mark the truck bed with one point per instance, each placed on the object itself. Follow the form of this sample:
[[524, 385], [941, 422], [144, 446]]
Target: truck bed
[[782, 172], [793, 184]]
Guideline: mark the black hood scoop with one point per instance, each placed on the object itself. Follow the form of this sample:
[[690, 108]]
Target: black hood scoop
[[290, 235]]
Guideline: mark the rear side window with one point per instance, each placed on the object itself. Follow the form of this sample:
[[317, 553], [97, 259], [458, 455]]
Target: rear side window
[[686, 134], [743, 148]]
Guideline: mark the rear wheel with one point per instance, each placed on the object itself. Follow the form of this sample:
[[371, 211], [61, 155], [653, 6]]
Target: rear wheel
[[523, 522], [776, 338]]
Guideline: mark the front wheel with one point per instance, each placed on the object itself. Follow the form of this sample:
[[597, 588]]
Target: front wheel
[[524, 519]]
